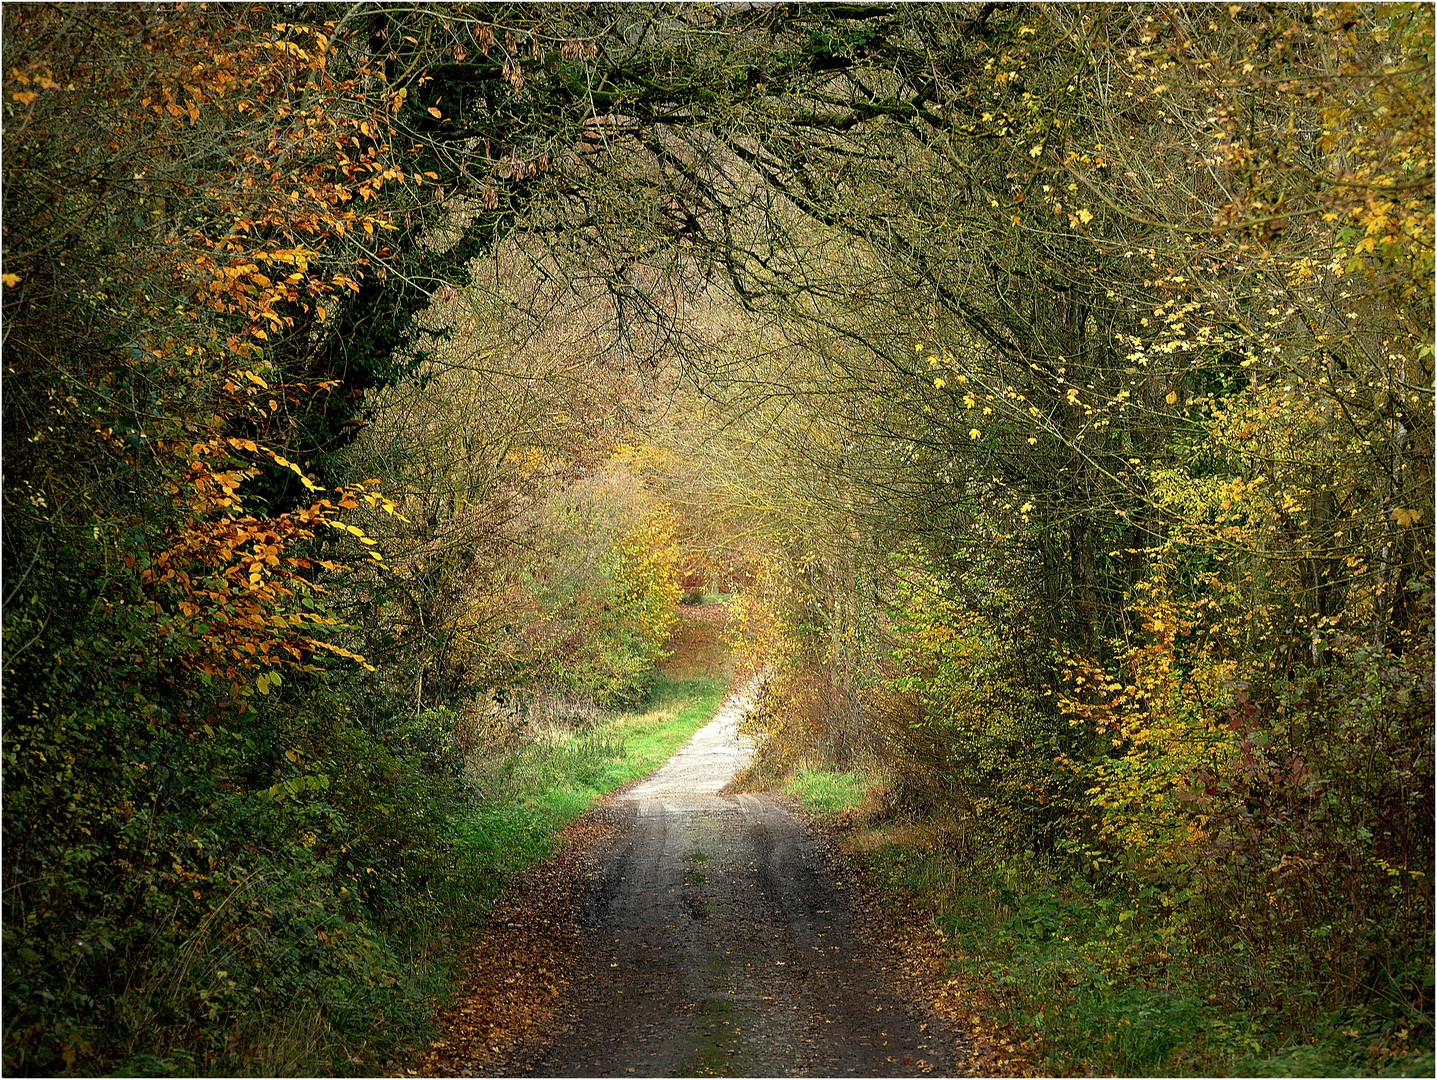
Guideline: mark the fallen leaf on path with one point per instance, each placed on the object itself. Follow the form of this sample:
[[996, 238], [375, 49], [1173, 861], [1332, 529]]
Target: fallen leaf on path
[[523, 959]]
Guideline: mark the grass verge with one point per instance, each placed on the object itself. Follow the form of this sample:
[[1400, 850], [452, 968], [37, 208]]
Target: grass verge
[[1108, 984], [535, 790], [1094, 983]]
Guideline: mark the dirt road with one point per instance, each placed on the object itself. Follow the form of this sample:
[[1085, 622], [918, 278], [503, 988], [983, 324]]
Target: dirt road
[[721, 940]]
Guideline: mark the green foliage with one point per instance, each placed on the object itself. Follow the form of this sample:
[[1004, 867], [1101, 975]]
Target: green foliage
[[1116, 983], [602, 594], [960, 701], [185, 893], [194, 877]]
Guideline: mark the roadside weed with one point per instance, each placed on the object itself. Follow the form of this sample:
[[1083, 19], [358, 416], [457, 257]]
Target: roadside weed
[[1103, 979], [825, 792], [532, 791]]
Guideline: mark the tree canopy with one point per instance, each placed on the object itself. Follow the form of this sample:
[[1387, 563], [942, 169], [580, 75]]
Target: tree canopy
[[1057, 380]]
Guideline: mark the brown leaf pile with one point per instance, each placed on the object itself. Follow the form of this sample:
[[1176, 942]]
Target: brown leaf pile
[[524, 959]]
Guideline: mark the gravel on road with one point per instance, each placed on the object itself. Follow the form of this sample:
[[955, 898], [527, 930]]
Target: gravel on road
[[712, 934]]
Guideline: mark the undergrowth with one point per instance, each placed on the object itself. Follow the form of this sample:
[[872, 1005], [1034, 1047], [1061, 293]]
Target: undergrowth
[[1112, 981]]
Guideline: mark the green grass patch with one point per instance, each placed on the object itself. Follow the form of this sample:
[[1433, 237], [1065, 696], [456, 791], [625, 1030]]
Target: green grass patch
[[1325, 1059], [823, 792], [533, 792], [676, 709]]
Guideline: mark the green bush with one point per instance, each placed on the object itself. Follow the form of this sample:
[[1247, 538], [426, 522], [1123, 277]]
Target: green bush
[[175, 899]]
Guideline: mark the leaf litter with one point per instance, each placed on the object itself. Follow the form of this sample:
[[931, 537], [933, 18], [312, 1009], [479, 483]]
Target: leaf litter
[[523, 961]]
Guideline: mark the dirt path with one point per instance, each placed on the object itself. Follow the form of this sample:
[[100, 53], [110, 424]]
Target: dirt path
[[720, 939]]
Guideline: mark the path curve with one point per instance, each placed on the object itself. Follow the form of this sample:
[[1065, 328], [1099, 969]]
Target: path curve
[[722, 939]]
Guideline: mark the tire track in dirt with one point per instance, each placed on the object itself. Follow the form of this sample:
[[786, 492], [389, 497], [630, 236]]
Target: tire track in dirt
[[719, 937]]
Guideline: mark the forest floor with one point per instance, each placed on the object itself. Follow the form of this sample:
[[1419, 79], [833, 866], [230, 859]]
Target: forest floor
[[681, 930]]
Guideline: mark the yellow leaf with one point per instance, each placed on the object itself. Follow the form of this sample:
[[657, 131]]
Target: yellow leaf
[[435, 113], [1172, 398], [24, 97], [10, 279], [1085, 216]]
